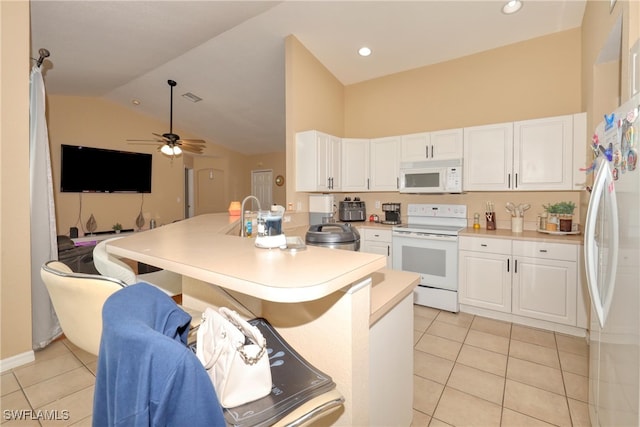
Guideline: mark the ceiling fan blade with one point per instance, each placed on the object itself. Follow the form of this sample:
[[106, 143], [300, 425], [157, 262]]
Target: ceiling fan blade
[[158, 135], [191, 141], [190, 149]]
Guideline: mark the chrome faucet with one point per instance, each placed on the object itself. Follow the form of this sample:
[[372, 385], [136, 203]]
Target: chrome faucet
[[243, 233]]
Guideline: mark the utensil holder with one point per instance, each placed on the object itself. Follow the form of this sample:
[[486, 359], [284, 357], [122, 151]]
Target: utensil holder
[[516, 224], [491, 220]]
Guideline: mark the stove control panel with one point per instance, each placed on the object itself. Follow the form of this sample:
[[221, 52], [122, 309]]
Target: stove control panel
[[437, 210]]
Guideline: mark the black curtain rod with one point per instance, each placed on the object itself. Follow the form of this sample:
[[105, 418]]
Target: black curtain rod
[[44, 53]]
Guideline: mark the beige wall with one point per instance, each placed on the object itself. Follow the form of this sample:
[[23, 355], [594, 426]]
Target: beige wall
[[600, 86], [314, 100], [15, 265], [101, 123], [532, 79], [536, 78]]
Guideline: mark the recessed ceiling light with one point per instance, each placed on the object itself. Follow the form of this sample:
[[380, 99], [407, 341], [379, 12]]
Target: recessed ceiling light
[[135, 101], [511, 6], [364, 51]]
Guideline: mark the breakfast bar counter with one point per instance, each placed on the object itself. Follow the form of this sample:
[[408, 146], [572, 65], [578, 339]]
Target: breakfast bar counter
[[337, 308]]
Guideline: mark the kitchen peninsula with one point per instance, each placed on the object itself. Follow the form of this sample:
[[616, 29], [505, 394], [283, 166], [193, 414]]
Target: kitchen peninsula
[[337, 308]]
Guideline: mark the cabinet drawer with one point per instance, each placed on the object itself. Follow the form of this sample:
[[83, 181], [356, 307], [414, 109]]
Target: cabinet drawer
[[489, 245], [558, 251], [377, 235]]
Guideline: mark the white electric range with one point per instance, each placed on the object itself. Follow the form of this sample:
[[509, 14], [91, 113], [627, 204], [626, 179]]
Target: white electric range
[[428, 245]]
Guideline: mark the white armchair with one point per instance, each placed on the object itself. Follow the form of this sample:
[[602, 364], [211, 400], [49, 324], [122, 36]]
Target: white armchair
[[78, 299]]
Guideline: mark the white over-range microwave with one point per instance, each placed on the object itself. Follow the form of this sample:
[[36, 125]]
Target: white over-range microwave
[[432, 176]]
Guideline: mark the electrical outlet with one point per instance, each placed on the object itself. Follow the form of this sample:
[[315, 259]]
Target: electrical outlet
[[287, 218], [377, 204]]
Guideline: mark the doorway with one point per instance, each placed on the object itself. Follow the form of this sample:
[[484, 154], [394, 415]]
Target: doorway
[[189, 207], [261, 187]]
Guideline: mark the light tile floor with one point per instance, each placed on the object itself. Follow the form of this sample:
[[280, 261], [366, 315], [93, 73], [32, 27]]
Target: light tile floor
[[473, 371], [468, 370]]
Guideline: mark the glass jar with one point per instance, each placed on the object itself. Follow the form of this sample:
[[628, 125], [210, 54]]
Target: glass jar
[[543, 221], [476, 221]]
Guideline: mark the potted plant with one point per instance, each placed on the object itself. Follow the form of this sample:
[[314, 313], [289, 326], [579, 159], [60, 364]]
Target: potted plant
[[560, 213], [117, 227]]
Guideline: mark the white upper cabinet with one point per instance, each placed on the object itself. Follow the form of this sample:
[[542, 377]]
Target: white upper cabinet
[[542, 155], [529, 155], [440, 145], [488, 157], [355, 164], [318, 166], [384, 164]]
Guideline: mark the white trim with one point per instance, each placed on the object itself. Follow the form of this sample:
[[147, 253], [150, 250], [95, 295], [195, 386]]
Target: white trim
[[525, 321], [17, 360]]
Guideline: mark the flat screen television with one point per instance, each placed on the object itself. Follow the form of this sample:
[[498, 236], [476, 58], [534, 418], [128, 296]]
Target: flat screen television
[[89, 169]]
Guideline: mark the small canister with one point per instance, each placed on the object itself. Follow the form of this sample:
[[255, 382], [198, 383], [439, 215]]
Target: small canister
[[543, 221], [152, 223]]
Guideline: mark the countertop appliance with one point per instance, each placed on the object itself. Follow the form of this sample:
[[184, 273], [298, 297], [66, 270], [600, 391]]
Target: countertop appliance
[[352, 210], [431, 176], [612, 260], [334, 236], [269, 234], [428, 245], [391, 213], [322, 208]]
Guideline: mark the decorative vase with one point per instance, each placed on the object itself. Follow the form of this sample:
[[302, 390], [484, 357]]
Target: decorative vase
[[91, 224], [140, 221]]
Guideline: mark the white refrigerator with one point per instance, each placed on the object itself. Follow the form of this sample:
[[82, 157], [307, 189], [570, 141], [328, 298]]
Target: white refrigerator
[[612, 262]]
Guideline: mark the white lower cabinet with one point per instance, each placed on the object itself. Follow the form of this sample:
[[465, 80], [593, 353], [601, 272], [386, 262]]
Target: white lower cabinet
[[525, 279], [377, 241], [545, 278], [479, 260]]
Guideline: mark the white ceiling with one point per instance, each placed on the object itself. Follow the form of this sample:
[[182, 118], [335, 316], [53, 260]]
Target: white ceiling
[[231, 53]]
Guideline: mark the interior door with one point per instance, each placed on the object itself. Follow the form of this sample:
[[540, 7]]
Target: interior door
[[262, 188], [601, 242]]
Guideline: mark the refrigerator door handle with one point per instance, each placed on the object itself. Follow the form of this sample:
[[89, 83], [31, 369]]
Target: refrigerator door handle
[[603, 182]]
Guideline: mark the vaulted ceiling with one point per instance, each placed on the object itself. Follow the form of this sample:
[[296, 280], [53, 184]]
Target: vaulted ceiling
[[231, 53]]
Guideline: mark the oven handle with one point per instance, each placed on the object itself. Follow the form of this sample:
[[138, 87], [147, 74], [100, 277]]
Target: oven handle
[[424, 236]]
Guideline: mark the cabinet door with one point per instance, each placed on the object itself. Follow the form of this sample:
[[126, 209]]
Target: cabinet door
[[328, 159], [485, 280], [385, 163], [380, 248], [545, 289], [355, 164], [416, 147], [488, 157], [543, 154], [446, 144]]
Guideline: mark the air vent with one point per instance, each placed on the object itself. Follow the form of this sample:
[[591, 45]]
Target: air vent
[[191, 97]]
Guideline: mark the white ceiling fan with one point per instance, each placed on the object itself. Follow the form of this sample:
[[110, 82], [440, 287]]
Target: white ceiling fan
[[172, 145]]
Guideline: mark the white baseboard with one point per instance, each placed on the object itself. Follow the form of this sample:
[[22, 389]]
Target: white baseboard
[[17, 360]]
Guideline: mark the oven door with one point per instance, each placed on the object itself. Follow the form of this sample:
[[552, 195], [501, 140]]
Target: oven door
[[434, 257]]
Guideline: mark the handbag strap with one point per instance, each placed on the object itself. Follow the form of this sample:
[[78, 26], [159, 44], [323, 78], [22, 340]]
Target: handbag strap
[[252, 332]]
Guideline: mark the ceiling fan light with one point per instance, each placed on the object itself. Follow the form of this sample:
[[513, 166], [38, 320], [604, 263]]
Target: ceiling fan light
[[166, 149], [176, 150]]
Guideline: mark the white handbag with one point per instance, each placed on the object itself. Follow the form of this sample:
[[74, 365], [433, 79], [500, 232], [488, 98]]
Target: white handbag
[[234, 353]]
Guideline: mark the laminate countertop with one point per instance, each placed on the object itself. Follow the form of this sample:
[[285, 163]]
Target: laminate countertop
[[574, 239], [199, 247]]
